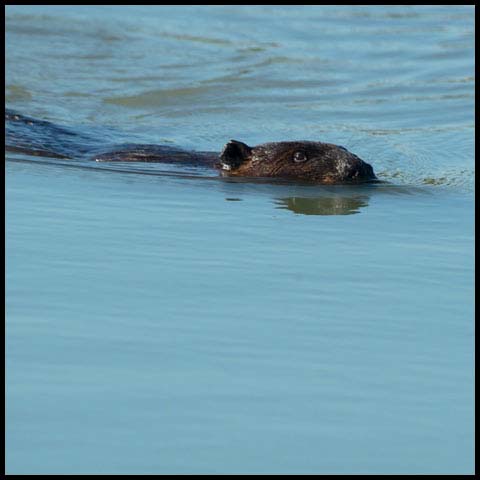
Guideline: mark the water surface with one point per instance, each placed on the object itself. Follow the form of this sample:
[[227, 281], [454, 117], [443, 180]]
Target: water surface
[[169, 322]]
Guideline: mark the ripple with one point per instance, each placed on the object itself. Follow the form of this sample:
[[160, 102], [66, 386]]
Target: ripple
[[14, 93], [197, 39], [160, 97]]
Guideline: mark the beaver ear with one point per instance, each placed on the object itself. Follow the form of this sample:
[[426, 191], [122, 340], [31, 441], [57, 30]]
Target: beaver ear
[[234, 153]]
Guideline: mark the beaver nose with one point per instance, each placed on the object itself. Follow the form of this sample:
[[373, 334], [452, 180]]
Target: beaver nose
[[362, 171]]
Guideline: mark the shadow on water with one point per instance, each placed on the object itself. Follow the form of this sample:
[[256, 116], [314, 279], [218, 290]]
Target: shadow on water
[[336, 205], [325, 200]]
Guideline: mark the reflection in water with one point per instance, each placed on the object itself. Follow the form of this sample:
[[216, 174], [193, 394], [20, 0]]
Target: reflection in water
[[335, 205]]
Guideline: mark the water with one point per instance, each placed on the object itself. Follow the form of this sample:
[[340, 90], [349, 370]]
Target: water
[[168, 323]]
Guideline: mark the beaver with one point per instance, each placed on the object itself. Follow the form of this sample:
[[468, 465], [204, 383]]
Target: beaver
[[304, 161], [296, 160]]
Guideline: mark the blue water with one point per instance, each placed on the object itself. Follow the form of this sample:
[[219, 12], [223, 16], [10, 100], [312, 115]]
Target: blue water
[[165, 324]]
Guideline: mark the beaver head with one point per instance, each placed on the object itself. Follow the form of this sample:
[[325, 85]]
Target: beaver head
[[302, 160]]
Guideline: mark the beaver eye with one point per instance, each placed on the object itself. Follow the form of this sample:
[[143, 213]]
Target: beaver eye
[[299, 157]]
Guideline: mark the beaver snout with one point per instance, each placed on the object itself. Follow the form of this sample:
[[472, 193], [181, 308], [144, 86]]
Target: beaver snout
[[361, 171]]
